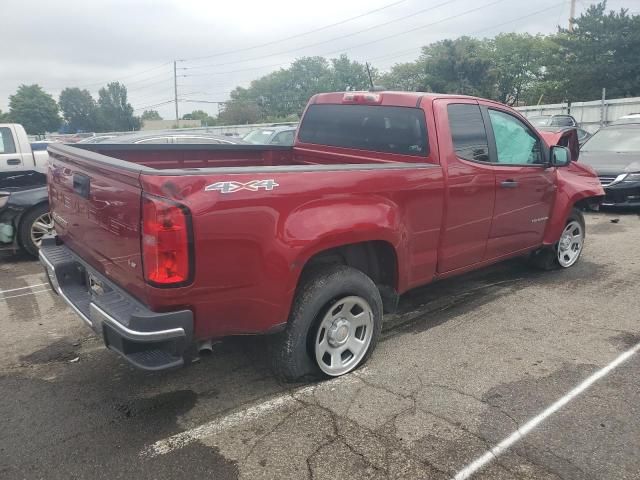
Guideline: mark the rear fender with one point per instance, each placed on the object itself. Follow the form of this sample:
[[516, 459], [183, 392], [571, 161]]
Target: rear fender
[[575, 183], [326, 224]]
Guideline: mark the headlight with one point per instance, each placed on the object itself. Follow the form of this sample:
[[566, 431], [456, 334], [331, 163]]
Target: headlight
[[631, 178], [3, 199]]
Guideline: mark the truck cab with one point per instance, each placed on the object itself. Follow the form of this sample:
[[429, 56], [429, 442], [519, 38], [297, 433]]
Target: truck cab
[[16, 153]]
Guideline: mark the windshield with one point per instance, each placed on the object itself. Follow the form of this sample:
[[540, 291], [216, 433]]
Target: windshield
[[614, 140], [259, 137], [539, 121]]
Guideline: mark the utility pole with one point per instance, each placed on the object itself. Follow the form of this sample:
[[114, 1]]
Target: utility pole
[[175, 91], [572, 14], [369, 74]]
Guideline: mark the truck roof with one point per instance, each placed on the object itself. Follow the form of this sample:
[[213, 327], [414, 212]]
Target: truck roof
[[388, 97]]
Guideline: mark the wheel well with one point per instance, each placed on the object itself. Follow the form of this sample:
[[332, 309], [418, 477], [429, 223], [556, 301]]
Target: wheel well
[[19, 218], [589, 203], [376, 259]]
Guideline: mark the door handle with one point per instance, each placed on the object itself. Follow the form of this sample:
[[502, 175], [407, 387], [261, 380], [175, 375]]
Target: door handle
[[509, 184], [14, 161], [81, 184]]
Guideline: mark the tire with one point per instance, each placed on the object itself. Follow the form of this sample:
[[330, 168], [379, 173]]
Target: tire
[[557, 256], [319, 320], [38, 214]]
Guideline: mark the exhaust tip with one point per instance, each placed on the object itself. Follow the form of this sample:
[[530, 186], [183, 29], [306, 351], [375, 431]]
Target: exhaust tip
[[205, 347]]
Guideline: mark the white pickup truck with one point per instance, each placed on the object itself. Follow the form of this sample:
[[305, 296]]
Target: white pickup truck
[[24, 204], [16, 152]]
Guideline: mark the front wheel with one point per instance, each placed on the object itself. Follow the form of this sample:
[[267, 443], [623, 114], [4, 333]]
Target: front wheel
[[567, 251], [334, 325]]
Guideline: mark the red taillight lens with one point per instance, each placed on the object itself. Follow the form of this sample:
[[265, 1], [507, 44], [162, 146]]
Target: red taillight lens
[[166, 246]]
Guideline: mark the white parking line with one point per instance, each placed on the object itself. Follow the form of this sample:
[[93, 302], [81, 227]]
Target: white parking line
[[23, 288], [25, 294], [240, 417], [521, 432]]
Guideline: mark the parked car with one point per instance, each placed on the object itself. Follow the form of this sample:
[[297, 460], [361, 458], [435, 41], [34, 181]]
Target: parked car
[[17, 154], [24, 210], [97, 139], [382, 192], [625, 119], [280, 135], [614, 152], [553, 121], [173, 137]]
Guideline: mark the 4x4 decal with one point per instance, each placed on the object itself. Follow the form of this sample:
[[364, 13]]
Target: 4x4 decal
[[230, 187]]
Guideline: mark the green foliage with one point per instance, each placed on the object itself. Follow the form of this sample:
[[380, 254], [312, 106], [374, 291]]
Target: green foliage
[[4, 117], [286, 92], [115, 113], [410, 77], [206, 119], [79, 109], [150, 115], [461, 66], [35, 109], [519, 64], [601, 52]]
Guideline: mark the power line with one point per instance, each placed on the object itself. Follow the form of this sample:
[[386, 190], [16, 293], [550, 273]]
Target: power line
[[329, 40], [298, 35], [104, 82], [135, 109], [420, 27], [411, 50]]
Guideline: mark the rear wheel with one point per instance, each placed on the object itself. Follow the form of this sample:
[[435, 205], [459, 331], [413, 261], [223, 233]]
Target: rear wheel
[[34, 225], [333, 327]]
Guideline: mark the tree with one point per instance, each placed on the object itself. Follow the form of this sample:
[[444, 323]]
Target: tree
[[4, 117], [601, 52], [204, 117], [461, 66], [239, 112], [285, 92], [519, 65], [35, 109], [409, 76], [150, 115], [79, 109], [115, 113], [349, 75]]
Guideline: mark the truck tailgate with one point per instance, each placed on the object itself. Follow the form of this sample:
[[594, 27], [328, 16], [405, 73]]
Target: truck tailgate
[[96, 210]]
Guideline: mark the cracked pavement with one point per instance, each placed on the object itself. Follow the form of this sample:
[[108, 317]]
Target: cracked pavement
[[461, 365]]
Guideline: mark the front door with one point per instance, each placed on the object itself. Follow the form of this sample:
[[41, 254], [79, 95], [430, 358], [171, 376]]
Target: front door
[[525, 186]]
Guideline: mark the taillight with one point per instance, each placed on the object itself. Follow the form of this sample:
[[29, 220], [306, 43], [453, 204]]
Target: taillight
[[167, 255]]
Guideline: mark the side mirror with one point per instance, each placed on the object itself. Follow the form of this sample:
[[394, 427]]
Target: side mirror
[[560, 156]]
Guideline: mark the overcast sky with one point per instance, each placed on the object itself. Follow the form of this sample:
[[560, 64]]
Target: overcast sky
[[221, 43]]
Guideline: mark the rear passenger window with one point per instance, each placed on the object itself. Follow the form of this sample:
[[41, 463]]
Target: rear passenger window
[[468, 132], [6, 141], [367, 127]]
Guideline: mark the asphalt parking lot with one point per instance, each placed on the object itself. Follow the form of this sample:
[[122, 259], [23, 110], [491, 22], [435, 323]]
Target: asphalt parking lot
[[462, 365]]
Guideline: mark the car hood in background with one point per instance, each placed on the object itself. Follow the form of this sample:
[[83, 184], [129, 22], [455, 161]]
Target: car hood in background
[[612, 163]]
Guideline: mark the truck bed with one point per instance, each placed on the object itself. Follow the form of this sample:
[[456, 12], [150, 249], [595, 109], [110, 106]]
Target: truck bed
[[195, 157]]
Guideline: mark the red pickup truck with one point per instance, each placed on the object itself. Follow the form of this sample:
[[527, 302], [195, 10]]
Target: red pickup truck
[[161, 248]]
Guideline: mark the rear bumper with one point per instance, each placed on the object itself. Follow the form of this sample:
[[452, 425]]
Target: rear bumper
[[148, 340]]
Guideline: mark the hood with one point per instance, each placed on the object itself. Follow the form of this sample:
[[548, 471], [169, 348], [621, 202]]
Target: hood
[[612, 163]]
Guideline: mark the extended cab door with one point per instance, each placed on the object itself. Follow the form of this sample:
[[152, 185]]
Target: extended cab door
[[470, 186], [525, 186]]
